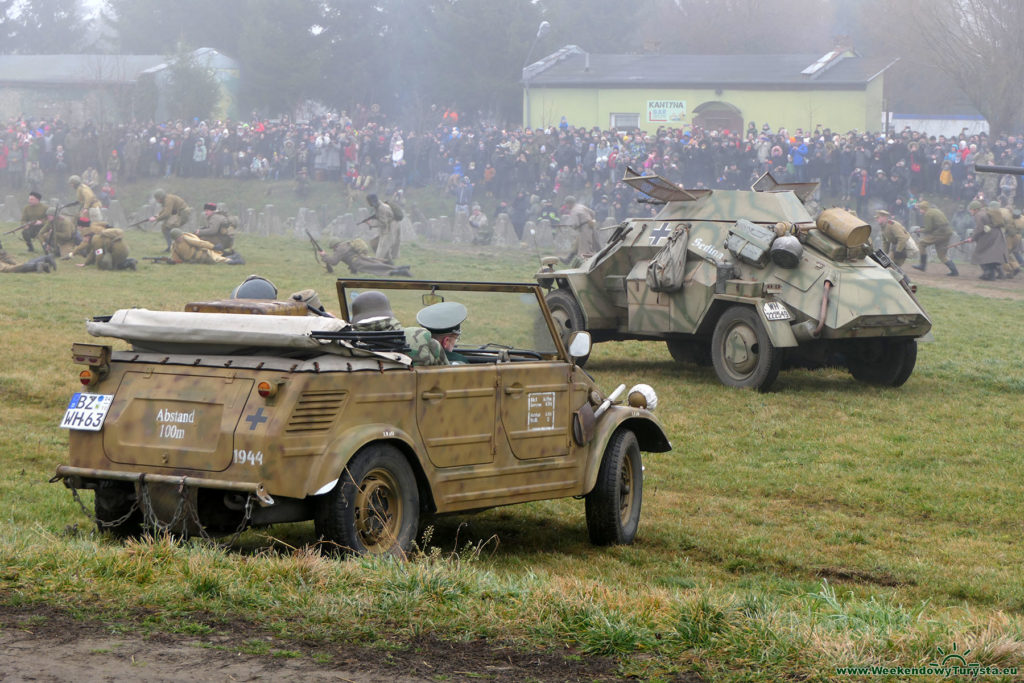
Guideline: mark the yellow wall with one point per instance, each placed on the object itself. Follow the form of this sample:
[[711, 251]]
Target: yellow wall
[[840, 110]]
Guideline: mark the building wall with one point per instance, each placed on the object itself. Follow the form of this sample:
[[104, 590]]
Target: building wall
[[840, 110]]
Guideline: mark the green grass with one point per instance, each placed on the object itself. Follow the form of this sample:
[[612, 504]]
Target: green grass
[[824, 524]]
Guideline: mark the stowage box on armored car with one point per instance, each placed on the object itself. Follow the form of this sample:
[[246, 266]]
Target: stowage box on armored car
[[212, 422], [747, 281]]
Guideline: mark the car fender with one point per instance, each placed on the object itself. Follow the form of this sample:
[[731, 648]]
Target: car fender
[[346, 445], [780, 332], [649, 434]]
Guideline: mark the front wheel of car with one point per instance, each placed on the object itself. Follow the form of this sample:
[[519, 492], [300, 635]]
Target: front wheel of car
[[613, 506], [374, 509], [742, 351], [568, 317], [883, 362]]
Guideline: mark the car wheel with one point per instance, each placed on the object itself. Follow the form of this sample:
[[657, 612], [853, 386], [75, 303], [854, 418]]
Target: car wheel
[[613, 506], [742, 352], [884, 362], [689, 351], [568, 316], [374, 509], [114, 501]]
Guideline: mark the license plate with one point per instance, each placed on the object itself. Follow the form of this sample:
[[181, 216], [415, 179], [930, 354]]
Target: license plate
[[773, 310], [87, 411]]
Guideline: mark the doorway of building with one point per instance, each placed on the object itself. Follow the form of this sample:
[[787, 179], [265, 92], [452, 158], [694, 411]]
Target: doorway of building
[[718, 116]]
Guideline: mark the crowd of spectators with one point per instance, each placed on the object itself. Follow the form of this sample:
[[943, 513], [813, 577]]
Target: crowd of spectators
[[512, 167]]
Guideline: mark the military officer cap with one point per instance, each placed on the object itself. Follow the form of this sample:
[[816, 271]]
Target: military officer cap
[[75, 180], [159, 194], [209, 206], [443, 318], [974, 206], [175, 233], [370, 306]]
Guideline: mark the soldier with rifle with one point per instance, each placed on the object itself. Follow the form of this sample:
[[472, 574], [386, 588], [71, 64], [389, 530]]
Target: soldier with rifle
[[188, 248], [60, 235], [174, 213], [33, 216], [85, 198], [219, 229], [935, 231], [389, 239], [318, 253], [356, 255], [41, 264]]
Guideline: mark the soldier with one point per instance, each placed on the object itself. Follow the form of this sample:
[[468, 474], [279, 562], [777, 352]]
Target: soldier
[[188, 248], [444, 322], [483, 233], [33, 216], [88, 205], [990, 243], [174, 213], [1011, 232], [894, 237], [105, 248], [219, 229], [356, 255], [935, 231], [41, 264], [371, 311], [388, 241], [581, 219], [60, 236]]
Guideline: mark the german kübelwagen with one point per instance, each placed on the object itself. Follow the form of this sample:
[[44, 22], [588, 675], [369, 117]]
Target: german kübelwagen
[[747, 281], [223, 417]]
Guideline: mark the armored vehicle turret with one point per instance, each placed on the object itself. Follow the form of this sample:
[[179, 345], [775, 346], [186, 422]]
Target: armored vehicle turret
[[748, 281]]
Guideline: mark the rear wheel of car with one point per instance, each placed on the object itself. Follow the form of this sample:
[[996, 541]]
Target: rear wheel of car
[[613, 506], [374, 509], [568, 316], [116, 509], [742, 352], [884, 362]]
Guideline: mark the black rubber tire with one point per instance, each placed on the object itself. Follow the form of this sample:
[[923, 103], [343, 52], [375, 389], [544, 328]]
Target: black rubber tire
[[113, 501], [374, 509], [568, 316], [742, 352], [689, 351], [883, 362], [613, 506]]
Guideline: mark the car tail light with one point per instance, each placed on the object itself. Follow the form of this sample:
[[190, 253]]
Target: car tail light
[[87, 378], [266, 389]]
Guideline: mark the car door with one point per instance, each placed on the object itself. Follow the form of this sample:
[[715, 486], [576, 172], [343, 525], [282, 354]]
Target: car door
[[535, 407], [456, 413]]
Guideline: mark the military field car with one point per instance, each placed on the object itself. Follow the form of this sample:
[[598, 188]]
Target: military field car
[[240, 413], [746, 281]]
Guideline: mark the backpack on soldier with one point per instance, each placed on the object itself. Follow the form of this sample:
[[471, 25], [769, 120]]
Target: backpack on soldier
[[666, 270], [396, 209]]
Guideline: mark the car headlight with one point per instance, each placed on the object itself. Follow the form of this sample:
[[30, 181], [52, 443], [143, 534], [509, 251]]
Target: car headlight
[[643, 396]]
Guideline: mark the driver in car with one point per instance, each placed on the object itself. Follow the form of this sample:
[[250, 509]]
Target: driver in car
[[444, 322]]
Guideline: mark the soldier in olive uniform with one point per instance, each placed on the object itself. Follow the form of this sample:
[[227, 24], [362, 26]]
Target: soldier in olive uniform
[[104, 247], [894, 237], [990, 244], [483, 232], [88, 205], [60, 236], [174, 213], [41, 264], [444, 322], [935, 231], [33, 217], [188, 248], [356, 255], [219, 229]]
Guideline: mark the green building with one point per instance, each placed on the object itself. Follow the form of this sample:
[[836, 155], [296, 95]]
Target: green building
[[839, 90]]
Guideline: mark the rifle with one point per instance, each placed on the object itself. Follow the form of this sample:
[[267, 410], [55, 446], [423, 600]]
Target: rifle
[[166, 260], [957, 244], [137, 224], [316, 252], [50, 247], [20, 227], [367, 219]]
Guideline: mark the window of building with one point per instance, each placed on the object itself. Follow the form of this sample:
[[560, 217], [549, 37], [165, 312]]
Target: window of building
[[624, 120]]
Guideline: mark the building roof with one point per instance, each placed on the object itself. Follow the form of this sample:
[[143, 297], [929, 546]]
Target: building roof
[[572, 67], [86, 69]]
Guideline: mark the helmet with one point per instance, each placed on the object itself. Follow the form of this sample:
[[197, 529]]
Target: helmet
[[372, 200], [175, 233], [254, 287], [369, 305], [75, 180], [159, 195]]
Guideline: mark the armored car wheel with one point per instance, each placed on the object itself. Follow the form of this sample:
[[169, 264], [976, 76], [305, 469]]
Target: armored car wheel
[[613, 506], [742, 352], [885, 362], [374, 509], [689, 351], [568, 316], [116, 509]]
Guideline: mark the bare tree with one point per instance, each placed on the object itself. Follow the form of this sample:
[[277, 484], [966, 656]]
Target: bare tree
[[978, 44]]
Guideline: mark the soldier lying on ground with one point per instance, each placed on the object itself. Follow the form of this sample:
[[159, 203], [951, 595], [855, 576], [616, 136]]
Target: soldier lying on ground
[[356, 255], [42, 264]]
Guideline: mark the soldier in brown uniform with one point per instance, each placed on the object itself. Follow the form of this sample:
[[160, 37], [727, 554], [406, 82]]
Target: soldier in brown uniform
[[990, 244], [389, 240], [88, 205], [41, 264], [33, 217], [188, 248], [894, 237], [105, 248], [219, 229], [174, 213], [1011, 232], [59, 236], [935, 231], [581, 219]]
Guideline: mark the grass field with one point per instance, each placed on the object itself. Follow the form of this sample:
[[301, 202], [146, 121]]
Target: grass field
[[826, 524]]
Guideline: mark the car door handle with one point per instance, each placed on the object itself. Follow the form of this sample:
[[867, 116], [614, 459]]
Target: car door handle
[[513, 391], [430, 395]]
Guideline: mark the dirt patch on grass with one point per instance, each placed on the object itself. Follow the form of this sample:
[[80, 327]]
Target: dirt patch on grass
[[43, 643], [967, 282], [861, 576]]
